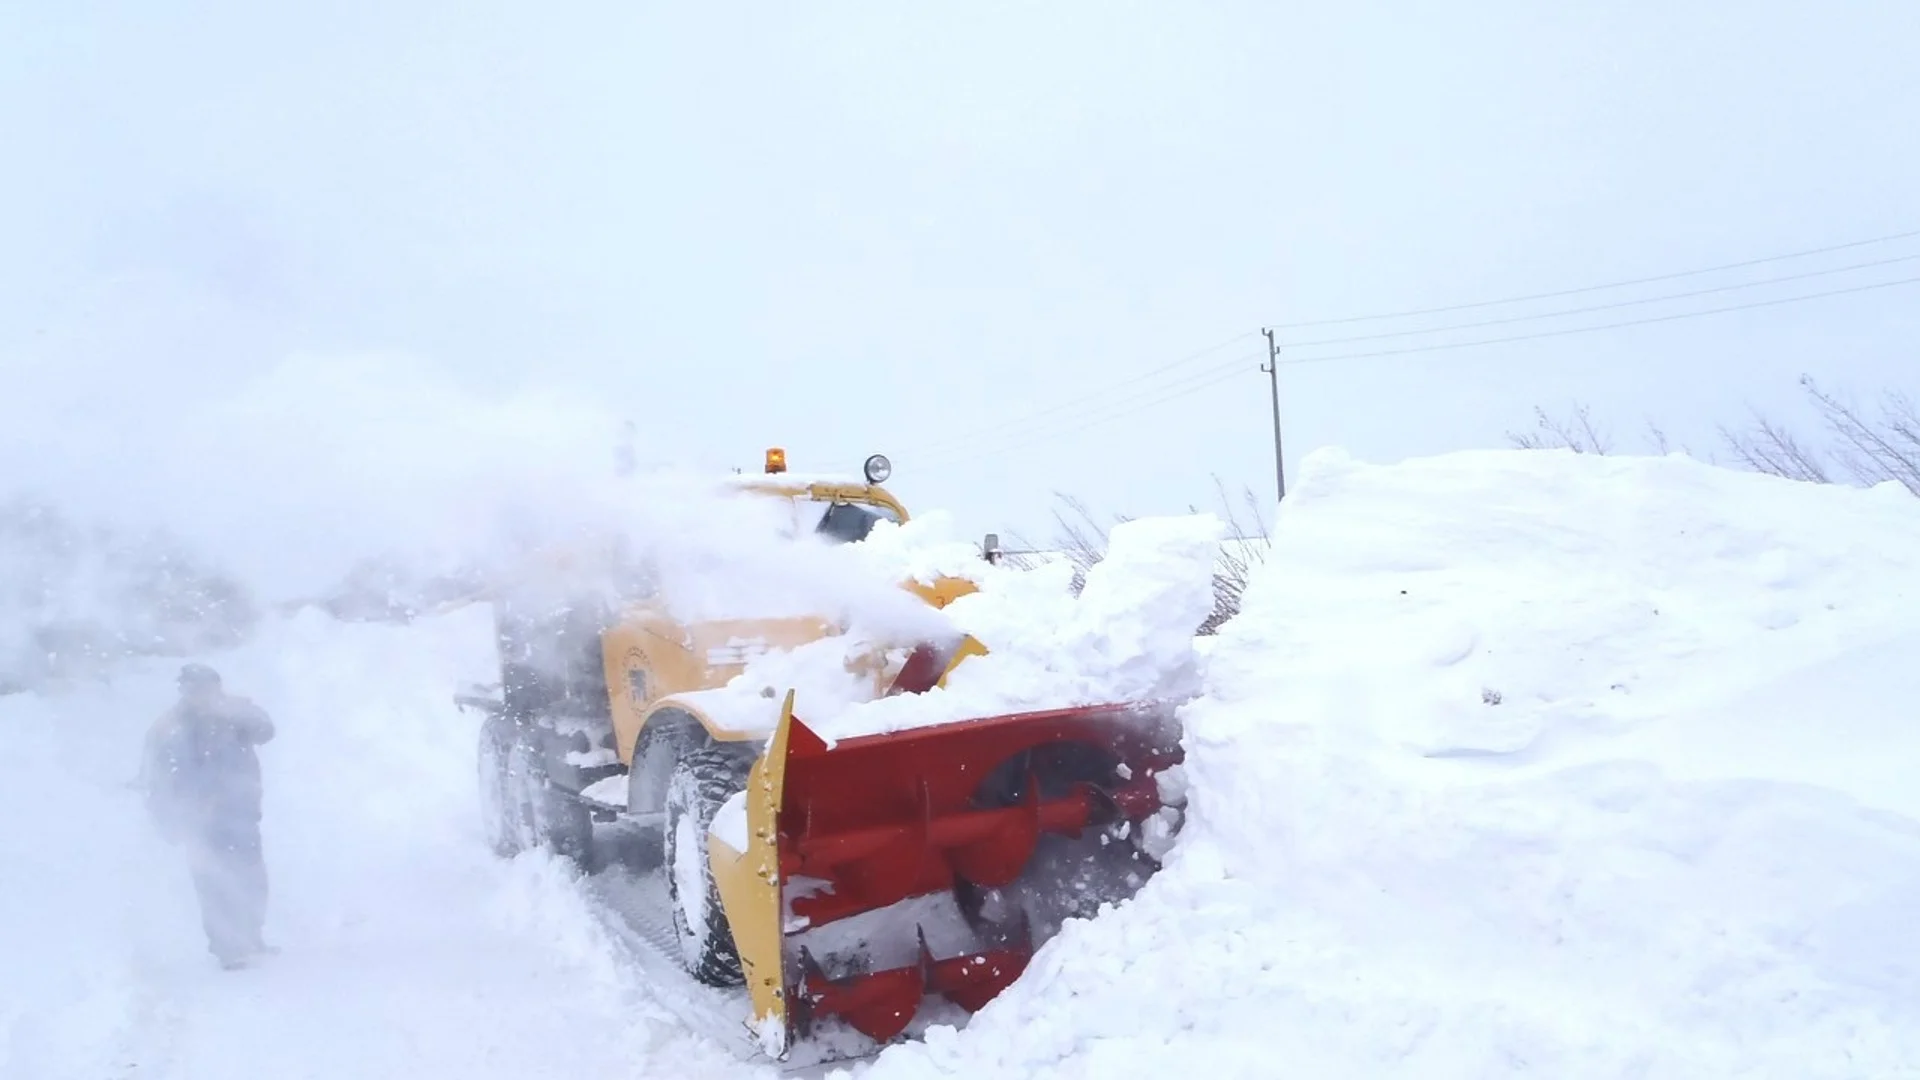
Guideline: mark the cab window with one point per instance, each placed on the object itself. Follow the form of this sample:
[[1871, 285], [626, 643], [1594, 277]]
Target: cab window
[[847, 523]]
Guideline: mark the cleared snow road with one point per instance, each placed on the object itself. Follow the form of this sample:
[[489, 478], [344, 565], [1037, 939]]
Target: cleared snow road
[[407, 949]]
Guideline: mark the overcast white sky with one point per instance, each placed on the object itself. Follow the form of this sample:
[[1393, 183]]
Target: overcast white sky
[[843, 228]]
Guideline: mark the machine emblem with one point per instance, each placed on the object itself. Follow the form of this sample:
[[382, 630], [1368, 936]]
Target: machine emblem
[[636, 678]]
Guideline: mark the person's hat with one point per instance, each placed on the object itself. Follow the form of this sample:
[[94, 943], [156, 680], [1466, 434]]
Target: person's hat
[[198, 675]]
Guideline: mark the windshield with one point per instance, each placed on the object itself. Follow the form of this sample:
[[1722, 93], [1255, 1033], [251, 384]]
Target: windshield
[[846, 523]]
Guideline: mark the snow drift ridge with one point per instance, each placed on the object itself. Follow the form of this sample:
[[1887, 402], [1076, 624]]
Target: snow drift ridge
[[1498, 773]]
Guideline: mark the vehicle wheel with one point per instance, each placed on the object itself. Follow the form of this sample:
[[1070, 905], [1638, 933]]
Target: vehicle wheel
[[550, 817], [567, 825], [702, 780], [498, 805], [524, 779]]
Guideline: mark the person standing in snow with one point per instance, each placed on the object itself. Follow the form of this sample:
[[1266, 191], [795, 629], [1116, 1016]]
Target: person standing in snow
[[201, 777]]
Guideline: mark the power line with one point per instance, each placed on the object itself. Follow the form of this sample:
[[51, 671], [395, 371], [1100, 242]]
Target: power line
[[1127, 407], [1597, 288], [1443, 346], [1140, 403], [1209, 377], [1021, 421], [1050, 434], [1606, 326], [965, 446], [1607, 307]]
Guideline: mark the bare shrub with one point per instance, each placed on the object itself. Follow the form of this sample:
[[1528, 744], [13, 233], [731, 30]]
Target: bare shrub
[[1578, 433], [1867, 448], [1861, 446], [1245, 549], [1770, 448], [1081, 539]]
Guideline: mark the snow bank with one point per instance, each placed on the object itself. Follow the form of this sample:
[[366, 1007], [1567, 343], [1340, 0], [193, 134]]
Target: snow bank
[[1525, 763], [1128, 636]]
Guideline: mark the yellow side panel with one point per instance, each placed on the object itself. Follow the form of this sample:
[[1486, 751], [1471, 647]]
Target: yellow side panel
[[649, 656], [969, 646], [749, 884], [943, 591], [646, 657]]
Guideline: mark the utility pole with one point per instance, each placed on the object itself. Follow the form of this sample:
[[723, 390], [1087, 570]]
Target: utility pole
[[1272, 368]]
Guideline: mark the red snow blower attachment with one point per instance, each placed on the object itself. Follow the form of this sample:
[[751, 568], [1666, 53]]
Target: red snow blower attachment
[[934, 860]]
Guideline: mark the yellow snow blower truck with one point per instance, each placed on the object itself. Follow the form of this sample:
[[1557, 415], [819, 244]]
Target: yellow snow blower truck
[[831, 896]]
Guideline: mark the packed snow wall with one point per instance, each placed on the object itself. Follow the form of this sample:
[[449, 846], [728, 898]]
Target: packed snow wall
[[1526, 763]]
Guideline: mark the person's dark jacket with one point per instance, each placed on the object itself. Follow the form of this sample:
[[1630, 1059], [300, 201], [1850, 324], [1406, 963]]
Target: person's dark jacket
[[200, 769]]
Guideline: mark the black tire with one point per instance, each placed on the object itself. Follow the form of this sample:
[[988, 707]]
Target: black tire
[[524, 776], [566, 824], [499, 801], [554, 818], [702, 780], [641, 835]]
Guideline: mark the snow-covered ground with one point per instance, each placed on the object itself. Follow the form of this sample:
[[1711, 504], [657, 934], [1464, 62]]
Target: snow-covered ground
[[1514, 763]]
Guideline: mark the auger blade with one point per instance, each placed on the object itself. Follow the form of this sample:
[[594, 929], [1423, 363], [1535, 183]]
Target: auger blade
[[882, 821]]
